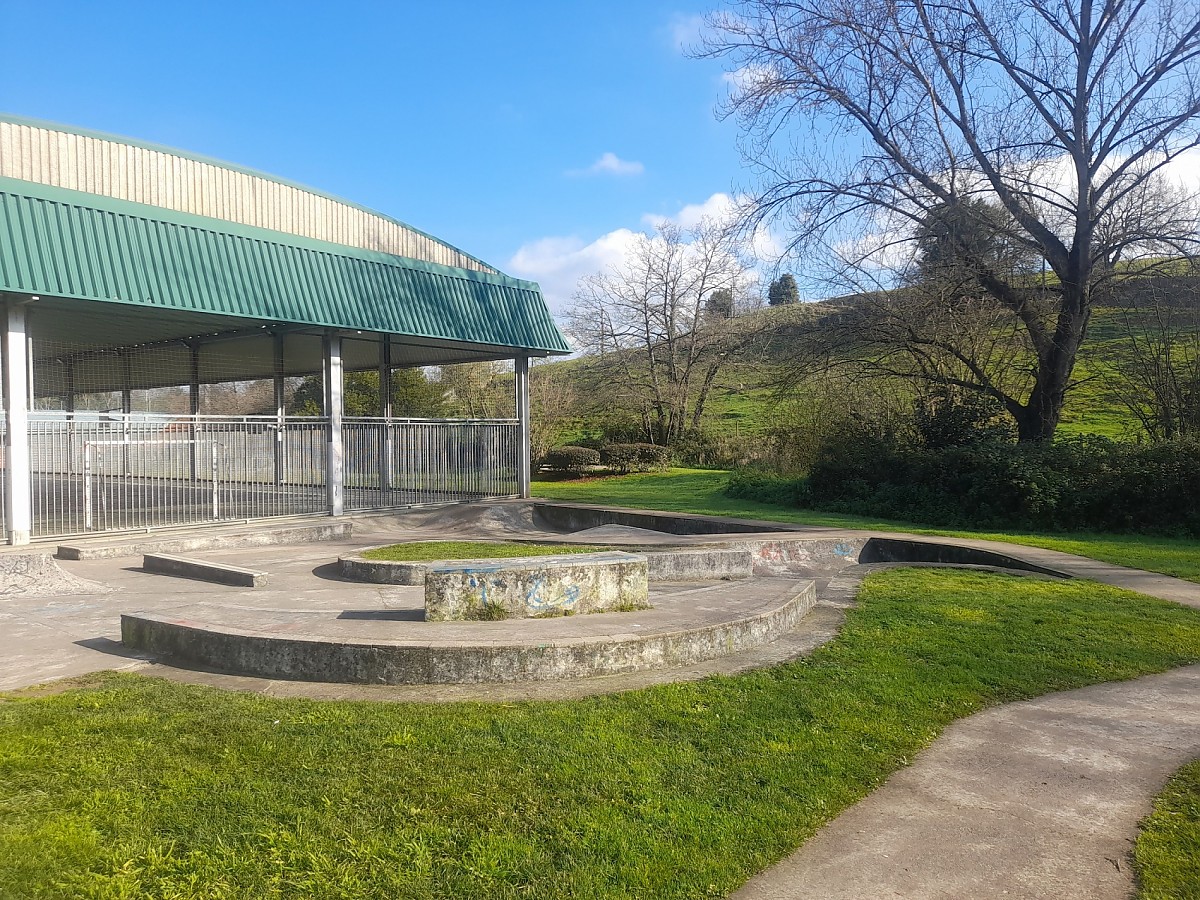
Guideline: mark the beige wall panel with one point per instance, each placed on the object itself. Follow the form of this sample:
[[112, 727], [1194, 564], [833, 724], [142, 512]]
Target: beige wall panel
[[140, 175]]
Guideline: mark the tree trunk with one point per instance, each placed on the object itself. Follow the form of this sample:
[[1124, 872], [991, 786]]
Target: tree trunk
[[1038, 419]]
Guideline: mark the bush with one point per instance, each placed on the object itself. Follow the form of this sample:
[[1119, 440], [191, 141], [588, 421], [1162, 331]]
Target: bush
[[626, 458], [768, 489], [571, 459], [1090, 484]]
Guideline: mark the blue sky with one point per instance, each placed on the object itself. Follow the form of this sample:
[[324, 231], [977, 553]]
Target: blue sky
[[534, 135]]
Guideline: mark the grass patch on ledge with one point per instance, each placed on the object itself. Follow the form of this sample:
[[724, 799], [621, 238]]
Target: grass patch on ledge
[[702, 491], [429, 551], [138, 787], [1167, 852]]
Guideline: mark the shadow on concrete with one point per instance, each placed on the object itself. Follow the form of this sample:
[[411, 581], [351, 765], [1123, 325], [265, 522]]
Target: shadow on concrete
[[331, 572], [385, 615], [111, 647]]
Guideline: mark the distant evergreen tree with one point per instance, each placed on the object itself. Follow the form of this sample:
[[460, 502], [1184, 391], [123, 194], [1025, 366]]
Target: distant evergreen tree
[[782, 291], [719, 304]]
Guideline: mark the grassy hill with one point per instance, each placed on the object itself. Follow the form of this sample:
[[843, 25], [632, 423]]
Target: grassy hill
[[745, 401]]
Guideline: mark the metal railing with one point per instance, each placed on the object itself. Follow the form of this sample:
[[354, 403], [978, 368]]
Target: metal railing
[[95, 472], [109, 472], [404, 462]]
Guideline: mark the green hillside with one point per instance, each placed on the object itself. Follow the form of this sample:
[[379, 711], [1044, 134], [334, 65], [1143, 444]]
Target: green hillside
[[746, 402]]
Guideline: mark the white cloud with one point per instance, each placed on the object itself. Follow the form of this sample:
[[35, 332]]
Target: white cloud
[[747, 78], [719, 208], [687, 32], [610, 164], [558, 263], [722, 209]]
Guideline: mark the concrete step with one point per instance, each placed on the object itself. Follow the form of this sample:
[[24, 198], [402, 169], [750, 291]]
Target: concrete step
[[202, 570], [207, 538]]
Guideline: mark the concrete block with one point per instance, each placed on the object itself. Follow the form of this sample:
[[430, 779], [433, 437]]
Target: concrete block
[[201, 570], [708, 564], [529, 587], [381, 571]]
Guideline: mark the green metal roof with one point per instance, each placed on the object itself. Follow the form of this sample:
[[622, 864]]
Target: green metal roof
[[82, 246]]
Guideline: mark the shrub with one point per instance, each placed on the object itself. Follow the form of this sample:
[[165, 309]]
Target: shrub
[[764, 488], [572, 459], [707, 449], [948, 417], [1086, 483], [626, 458]]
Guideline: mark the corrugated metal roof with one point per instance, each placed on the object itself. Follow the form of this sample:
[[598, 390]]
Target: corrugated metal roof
[[65, 243], [60, 161]]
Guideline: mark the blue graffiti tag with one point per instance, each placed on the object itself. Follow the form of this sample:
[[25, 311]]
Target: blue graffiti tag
[[540, 598]]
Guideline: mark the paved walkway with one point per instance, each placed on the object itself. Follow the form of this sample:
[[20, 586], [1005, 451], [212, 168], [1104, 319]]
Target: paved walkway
[[1039, 799]]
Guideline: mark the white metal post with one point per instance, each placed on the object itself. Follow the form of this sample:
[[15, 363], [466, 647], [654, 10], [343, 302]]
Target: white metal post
[[334, 472], [194, 409], [524, 458], [385, 413], [18, 476], [280, 408]]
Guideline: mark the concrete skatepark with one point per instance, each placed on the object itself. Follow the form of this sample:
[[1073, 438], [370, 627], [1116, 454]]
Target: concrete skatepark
[[1037, 799], [299, 603]]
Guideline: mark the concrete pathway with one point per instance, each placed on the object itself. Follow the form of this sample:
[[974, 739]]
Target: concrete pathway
[[1039, 799]]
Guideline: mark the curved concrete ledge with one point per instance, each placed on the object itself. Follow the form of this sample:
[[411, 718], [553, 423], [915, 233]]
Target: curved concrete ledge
[[684, 564], [357, 567], [303, 649], [900, 550]]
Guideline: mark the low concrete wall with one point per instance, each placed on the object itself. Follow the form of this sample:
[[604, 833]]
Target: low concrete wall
[[779, 556], [900, 550], [569, 517], [381, 571], [702, 564], [707, 564], [312, 659], [111, 548], [532, 586]]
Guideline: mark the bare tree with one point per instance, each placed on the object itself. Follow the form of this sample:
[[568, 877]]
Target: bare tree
[[477, 390], [1153, 367], [649, 318], [866, 116], [553, 403]]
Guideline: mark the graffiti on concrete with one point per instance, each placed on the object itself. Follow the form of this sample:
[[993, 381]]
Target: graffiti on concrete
[[543, 598]]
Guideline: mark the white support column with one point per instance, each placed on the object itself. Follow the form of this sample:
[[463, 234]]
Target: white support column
[[280, 409], [18, 478], [332, 378], [385, 412], [524, 458], [194, 407], [126, 410]]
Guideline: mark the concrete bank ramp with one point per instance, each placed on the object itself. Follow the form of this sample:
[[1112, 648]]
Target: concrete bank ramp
[[501, 517], [629, 533], [38, 575]]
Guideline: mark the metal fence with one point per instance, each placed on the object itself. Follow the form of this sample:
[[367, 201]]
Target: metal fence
[[97, 472], [402, 462]]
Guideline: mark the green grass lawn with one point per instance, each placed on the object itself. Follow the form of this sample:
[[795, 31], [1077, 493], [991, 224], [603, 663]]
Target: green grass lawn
[[426, 551], [138, 787], [1167, 853], [701, 491]]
